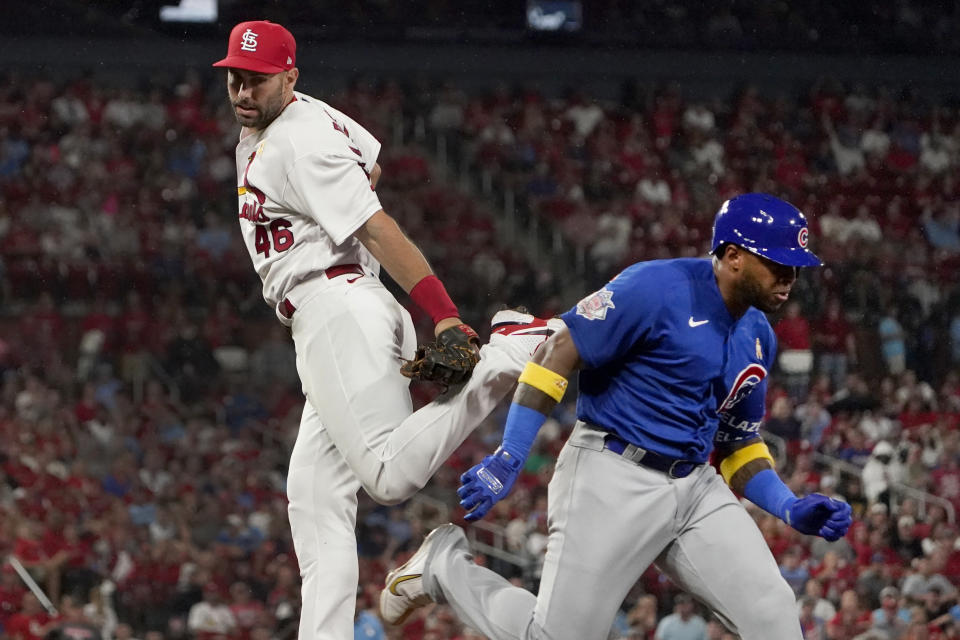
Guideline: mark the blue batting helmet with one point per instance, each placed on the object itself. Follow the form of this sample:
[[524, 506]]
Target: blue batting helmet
[[765, 226]]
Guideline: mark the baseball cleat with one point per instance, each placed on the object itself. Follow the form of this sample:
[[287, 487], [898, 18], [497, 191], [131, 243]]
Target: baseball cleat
[[515, 327], [404, 591]]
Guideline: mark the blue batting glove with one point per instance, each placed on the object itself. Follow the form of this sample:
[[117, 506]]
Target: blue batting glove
[[487, 483], [818, 515]]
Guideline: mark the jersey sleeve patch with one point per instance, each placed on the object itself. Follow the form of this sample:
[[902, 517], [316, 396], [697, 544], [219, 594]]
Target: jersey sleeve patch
[[595, 306]]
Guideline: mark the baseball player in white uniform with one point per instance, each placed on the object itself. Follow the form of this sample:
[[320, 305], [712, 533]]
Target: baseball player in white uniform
[[317, 235]]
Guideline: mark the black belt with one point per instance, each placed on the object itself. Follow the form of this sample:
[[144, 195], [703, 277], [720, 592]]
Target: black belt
[[670, 466]]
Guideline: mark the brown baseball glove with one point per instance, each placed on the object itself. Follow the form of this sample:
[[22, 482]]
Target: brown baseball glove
[[449, 360]]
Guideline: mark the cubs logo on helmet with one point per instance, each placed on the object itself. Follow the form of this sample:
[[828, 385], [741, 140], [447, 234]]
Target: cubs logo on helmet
[[765, 226]]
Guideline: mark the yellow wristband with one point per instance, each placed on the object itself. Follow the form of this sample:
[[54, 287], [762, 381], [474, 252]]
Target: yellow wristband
[[541, 378], [733, 462]]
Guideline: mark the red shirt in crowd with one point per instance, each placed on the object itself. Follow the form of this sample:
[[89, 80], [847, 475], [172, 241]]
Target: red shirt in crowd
[[29, 551], [847, 624], [833, 333], [22, 626], [136, 329], [10, 598], [838, 581], [946, 483], [248, 614], [793, 333]]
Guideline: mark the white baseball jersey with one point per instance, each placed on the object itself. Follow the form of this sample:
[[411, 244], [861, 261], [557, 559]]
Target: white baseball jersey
[[304, 188]]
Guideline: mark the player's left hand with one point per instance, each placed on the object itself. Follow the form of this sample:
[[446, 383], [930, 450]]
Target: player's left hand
[[450, 360], [818, 515], [487, 483]]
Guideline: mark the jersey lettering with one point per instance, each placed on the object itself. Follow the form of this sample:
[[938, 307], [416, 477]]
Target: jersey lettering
[[337, 124], [738, 429], [280, 234], [253, 212], [261, 241]]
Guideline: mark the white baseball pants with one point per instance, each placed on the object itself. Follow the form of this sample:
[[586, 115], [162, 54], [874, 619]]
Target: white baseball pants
[[358, 430]]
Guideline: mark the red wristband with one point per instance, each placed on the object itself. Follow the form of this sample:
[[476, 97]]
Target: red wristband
[[431, 296]]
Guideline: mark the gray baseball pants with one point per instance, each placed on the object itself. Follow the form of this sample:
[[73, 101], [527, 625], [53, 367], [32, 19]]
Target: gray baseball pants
[[609, 519]]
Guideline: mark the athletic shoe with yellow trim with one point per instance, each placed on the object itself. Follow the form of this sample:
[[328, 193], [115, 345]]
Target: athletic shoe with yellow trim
[[404, 591]]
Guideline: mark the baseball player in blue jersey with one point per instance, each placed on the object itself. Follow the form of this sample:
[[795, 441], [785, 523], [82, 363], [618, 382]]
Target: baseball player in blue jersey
[[673, 358]]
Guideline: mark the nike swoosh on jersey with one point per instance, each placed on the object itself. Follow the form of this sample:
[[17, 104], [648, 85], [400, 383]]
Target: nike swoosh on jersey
[[696, 323]]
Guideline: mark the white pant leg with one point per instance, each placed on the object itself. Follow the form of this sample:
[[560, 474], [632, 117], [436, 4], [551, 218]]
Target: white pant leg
[[721, 558], [608, 520], [322, 491], [350, 339]]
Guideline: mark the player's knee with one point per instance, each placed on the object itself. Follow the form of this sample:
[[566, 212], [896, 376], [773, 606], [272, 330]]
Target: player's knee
[[385, 496], [390, 491]]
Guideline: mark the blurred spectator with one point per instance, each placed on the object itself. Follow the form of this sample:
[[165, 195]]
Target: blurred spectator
[[845, 145], [851, 618], [793, 569], [794, 344], [641, 619], [684, 623], [584, 114], [99, 609], [247, 612], [782, 422], [716, 631], [72, 624], [934, 155], [892, 338], [906, 541], [274, 358], [834, 344], [890, 617], [814, 420], [882, 470], [653, 188], [211, 617], [812, 626], [922, 576], [367, 624], [936, 604], [31, 623]]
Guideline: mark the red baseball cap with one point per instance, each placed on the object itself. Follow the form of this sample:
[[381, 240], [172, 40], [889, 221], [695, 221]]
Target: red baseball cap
[[261, 46]]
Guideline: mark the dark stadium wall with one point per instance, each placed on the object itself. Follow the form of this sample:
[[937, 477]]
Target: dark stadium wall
[[552, 69]]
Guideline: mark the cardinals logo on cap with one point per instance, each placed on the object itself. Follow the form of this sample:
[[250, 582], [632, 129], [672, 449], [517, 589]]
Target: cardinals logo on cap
[[249, 40]]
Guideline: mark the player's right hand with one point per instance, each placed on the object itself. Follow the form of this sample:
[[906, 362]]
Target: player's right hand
[[487, 483]]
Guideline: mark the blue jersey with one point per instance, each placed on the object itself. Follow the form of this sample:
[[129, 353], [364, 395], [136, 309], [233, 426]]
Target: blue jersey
[[667, 368]]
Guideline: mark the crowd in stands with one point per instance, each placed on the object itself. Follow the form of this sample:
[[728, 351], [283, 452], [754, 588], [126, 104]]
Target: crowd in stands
[[149, 399]]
